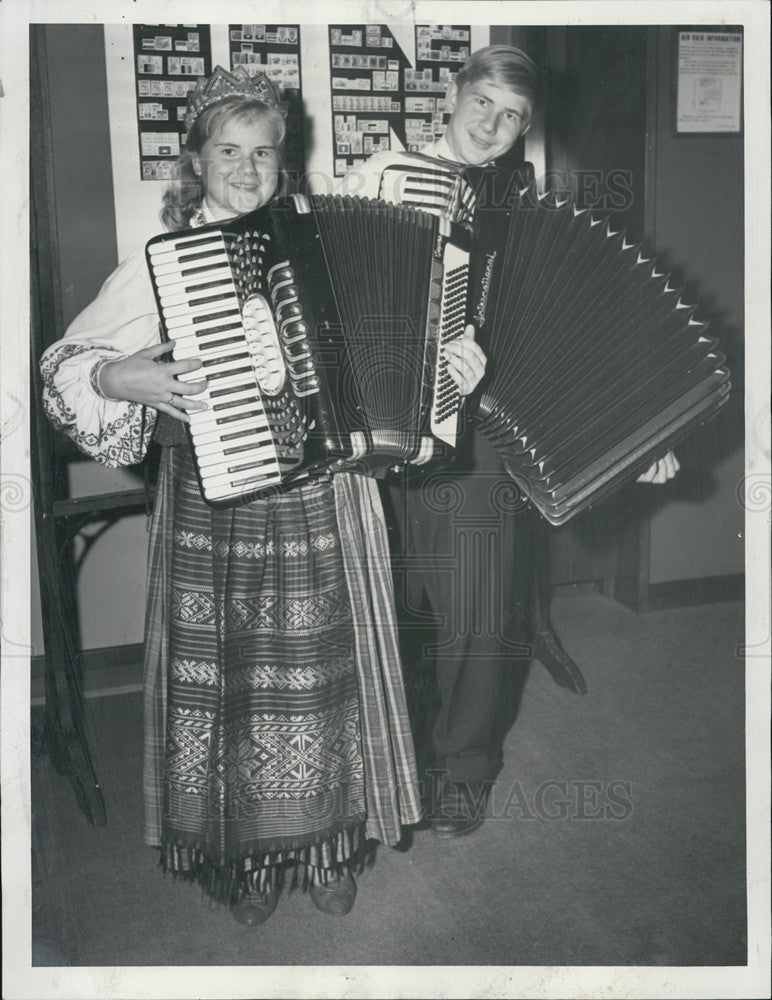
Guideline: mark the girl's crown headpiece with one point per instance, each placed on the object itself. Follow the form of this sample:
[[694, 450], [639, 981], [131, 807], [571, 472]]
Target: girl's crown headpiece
[[222, 84]]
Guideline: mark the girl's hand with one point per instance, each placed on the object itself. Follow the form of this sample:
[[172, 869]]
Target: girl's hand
[[662, 470], [466, 361], [141, 378]]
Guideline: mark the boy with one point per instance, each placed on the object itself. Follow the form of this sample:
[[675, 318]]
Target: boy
[[464, 534]]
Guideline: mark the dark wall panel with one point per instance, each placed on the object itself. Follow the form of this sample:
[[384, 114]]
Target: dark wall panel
[[83, 187]]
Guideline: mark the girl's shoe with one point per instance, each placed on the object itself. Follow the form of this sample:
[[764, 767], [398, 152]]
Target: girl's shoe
[[255, 907], [336, 897]]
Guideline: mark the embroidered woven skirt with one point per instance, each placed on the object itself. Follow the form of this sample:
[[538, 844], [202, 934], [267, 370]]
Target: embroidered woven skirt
[[275, 719]]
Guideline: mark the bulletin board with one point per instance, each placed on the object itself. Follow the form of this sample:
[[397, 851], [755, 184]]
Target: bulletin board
[[301, 58], [274, 49], [441, 50], [378, 94], [168, 59]]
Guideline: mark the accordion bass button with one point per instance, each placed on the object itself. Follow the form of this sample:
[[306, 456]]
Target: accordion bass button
[[301, 362], [287, 293], [279, 277], [291, 333], [288, 314]]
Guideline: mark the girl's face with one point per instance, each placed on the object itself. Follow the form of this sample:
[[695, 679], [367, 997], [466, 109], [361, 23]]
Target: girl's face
[[239, 166]]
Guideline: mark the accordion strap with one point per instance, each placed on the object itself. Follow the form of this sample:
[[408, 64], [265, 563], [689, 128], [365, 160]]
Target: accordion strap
[[168, 431]]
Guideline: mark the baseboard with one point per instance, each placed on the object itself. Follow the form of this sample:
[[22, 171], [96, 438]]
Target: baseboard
[[108, 670], [706, 590]]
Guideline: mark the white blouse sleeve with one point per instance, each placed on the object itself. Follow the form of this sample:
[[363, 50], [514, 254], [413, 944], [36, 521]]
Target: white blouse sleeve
[[121, 320]]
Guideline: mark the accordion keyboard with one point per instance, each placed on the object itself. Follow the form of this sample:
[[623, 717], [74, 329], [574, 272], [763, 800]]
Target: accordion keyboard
[[447, 399], [200, 309]]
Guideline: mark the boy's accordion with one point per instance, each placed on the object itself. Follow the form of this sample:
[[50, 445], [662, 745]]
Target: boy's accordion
[[319, 324], [595, 364]]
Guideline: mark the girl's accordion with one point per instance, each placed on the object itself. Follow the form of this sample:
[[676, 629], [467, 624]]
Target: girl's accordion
[[319, 324]]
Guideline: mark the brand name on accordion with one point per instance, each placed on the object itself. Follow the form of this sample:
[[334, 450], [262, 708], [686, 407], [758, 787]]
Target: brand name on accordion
[[485, 284]]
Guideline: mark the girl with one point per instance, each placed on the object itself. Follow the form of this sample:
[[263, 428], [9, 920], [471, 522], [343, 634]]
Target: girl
[[275, 723]]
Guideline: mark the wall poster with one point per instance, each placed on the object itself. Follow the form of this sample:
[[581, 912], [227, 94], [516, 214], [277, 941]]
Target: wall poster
[[709, 85]]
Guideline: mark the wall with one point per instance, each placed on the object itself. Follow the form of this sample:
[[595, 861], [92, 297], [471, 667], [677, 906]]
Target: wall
[[85, 214], [609, 106], [696, 219], [112, 582], [594, 132], [103, 212], [696, 222]]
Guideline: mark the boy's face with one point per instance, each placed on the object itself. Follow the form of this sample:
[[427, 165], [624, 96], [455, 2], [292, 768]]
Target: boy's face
[[486, 120]]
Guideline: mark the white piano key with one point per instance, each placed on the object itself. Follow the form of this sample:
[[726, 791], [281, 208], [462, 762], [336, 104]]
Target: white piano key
[[219, 326], [225, 423], [215, 465], [191, 267], [242, 367], [187, 311], [250, 437], [250, 390], [218, 385], [194, 302], [208, 350], [209, 333], [241, 371], [213, 480], [223, 406], [218, 269], [219, 461], [203, 338], [206, 370], [226, 490], [204, 439], [180, 294], [222, 435], [209, 322], [178, 242], [230, 394], [184, 251]]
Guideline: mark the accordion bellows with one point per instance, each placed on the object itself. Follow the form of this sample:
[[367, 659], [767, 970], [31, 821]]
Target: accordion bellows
[[596, 365]]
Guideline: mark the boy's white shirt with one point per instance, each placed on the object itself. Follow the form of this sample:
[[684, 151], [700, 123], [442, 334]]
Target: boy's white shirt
[[364, 179]]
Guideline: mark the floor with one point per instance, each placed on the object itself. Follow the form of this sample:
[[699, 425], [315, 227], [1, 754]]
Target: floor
[[615, 835]]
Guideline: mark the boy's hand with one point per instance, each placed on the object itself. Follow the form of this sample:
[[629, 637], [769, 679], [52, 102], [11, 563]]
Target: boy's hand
[[466, 361], [662, 470]]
